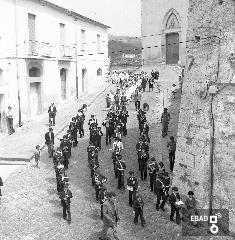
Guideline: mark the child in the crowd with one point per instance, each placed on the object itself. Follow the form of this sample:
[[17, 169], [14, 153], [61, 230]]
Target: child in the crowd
[[37, 155]]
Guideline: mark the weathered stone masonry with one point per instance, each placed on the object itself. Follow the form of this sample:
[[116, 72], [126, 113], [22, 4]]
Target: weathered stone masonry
[[208, 22]]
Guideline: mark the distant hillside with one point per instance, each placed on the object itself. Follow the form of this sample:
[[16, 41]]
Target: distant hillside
[[124, 50]]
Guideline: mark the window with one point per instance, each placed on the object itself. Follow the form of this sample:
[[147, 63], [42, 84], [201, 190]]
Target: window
[[62, 39], [34, 72], [62, 34], [98, 43], [83, 40], [31, 27], [32, 33], [1, 77]]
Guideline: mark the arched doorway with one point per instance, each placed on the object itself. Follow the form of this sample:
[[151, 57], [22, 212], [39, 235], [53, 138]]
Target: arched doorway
[[34, 74], [63, 78], [84, 79], [171, 37]]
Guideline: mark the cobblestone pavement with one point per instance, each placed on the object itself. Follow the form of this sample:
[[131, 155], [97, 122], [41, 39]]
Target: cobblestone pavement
[[21, 144], [30, 208]]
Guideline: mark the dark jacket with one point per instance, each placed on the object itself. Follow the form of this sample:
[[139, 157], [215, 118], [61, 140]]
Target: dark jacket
[[173, 198], [66, 196], [47, 138], [1, 182], [52, 111], [138, 203]]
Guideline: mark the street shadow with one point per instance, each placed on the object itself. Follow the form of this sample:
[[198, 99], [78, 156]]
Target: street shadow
[[51, 180], [95, 215], [95, 236], [58, 215], [52, 191], [33, 165], [55, 202]]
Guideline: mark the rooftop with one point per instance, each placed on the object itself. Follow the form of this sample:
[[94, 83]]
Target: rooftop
[[71, 13]]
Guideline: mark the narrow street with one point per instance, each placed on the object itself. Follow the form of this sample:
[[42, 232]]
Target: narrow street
[[31, 210]]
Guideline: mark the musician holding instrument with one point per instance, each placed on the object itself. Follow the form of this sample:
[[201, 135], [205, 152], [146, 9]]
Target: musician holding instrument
[[121, 166], [65, 145], [93, 164], [65, 197], [153, 169], [144, 157], [132, 186], [99, 180], [160, 192], [139, 208]]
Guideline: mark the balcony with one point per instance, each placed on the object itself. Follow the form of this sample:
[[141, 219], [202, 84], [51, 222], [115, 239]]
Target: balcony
[[39, 49], [31, 48], [67, 51]]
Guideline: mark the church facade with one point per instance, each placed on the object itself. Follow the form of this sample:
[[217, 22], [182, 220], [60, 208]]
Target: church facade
[[163, 29]]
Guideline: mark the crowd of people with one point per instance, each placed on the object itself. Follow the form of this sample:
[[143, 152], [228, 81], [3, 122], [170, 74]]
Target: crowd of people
[[129, 87]]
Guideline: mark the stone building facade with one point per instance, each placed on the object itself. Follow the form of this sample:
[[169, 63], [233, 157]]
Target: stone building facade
[[163, 31], [47, 54], [205, 157]]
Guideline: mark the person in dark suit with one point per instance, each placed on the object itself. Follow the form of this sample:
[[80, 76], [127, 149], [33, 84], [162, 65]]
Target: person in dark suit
[[52, 112], [153, 169], [160, 192], [49, 137], [138, 206], [1, 184], [173, 198], [132, 186], [65, 197]]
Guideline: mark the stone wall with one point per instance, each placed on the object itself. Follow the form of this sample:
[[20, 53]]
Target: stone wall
[[211, 40]]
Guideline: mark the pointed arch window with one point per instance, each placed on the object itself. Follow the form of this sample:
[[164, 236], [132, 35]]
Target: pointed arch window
[[172, 22]]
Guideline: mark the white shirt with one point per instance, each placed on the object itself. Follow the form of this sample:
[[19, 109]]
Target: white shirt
[[119, 146], [173, 88], [9, 114]]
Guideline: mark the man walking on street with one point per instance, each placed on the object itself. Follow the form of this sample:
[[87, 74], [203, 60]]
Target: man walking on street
[[1, 184], [153, 169], [110, 216], [65, 197], [132, 186], [52, 112], [165, 118], [121, 166], [9, 117], [49, 137], [175, 209], [160, 192], [138, 208], [171, 148]]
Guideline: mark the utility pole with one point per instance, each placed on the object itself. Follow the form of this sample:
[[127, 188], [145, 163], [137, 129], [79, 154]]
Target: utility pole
[[17, 65], [76, 55]]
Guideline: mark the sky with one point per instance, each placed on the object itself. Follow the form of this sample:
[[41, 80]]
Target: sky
[[123, 16]]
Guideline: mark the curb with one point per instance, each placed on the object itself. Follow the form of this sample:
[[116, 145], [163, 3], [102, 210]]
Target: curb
[[14, 160]]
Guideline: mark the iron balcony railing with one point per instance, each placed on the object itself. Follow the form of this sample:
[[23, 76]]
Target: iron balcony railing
[[67, 51], [40, 49]]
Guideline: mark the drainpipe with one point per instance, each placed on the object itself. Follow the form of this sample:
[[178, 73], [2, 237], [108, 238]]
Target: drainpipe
[[212, 146], [212, 131], [76, 56], [17, 65]]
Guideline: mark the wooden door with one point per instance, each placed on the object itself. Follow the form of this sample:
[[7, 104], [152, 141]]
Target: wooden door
[[84, 80], [63, 83], [34, 98], [172, 48]]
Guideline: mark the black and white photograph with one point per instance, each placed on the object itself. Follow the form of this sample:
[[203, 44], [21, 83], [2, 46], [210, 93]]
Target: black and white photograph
[[117, 119]]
